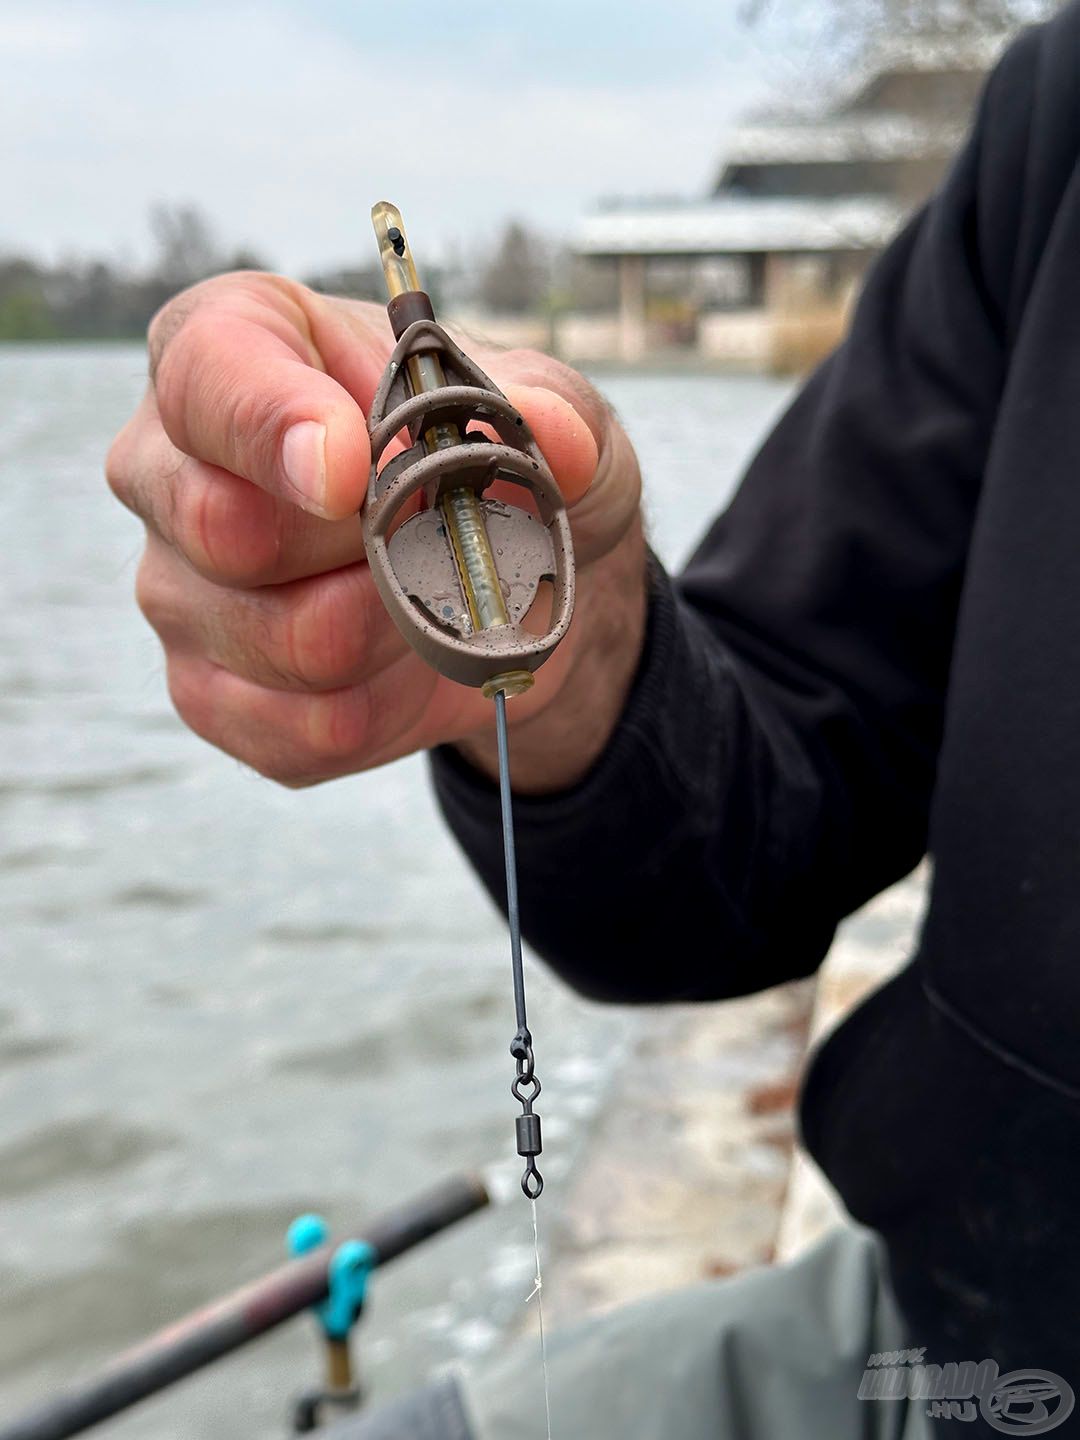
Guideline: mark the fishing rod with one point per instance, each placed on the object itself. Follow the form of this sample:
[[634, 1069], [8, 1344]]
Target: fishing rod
[[462, 575], [331, 1277]]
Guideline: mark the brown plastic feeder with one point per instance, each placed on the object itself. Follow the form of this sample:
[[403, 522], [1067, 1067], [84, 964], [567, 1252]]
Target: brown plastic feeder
[[459, 576]]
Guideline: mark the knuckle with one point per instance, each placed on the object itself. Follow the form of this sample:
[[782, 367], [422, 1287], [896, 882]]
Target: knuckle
[[291, 768], [141, 469], [151, 595], [193, 524], [193, 384], [326, 634], [338, 728], [119, 464], [193, 364], [167, 322], [296, 782], [292, 773], [218, 535], [282, 769], [190, 696], [223, 724], [183, 372], [202, 403]]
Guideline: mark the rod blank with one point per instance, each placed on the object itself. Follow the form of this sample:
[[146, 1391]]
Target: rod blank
[[236, 1319]]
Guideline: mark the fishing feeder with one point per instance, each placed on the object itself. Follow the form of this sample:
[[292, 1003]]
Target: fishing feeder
[[457, 569], [463, 571]]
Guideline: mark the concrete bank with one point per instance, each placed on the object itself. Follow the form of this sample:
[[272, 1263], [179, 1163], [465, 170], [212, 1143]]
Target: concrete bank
[[693, 1169]]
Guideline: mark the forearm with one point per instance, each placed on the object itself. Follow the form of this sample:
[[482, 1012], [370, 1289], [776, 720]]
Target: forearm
[[773, 761], [664, 839]]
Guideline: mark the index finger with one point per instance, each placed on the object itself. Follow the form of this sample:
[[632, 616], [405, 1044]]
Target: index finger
[[239, 383]]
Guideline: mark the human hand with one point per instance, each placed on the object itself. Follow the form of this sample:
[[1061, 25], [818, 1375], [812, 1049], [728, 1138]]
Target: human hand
[[247, 461]]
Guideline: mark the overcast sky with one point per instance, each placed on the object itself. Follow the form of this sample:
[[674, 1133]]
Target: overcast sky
[[285, 121]]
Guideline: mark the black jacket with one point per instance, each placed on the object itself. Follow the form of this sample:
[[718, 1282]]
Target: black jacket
[[875, 652]]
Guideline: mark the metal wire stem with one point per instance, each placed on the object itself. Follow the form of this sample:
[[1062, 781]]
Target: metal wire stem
[[513, 909], [526, 1086]]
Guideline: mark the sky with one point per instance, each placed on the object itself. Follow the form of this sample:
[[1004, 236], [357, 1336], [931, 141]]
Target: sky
[[285, 121]]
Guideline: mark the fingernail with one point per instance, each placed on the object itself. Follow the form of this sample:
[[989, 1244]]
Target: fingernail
[[303, 458]]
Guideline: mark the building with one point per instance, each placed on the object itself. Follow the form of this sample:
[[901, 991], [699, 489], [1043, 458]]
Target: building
[[800, 206]]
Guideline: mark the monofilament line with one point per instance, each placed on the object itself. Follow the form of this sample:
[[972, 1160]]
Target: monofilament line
[[538, 1294], [514, 916], [513, 910]]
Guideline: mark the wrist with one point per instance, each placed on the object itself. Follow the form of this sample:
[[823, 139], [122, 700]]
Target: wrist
[[555, 747]]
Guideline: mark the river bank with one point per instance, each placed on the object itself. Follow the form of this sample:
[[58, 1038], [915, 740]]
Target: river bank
[[692, 1169]]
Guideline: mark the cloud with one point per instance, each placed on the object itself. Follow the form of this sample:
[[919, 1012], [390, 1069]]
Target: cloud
[[23, 36], [285, 121]]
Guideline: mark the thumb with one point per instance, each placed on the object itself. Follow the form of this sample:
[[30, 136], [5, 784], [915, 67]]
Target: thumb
[[565, 440]]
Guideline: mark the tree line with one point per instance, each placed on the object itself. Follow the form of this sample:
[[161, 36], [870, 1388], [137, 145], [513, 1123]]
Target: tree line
[[522, 274], [101, 299]]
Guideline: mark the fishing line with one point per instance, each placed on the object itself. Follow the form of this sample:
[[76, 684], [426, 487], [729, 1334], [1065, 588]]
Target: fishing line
[[513, 907], [458, 593], [526, 1086], [538, 1294], [525, 1060]]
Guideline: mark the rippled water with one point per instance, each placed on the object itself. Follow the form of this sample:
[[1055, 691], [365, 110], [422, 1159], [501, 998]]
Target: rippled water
[[223, 1003]]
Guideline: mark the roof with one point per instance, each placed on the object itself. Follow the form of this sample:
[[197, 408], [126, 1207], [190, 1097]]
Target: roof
[[841, 137], [731, 225], [955, 54], [956, 50]]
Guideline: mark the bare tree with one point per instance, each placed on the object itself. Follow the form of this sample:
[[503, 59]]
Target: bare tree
[[517, 276], [819, 46], [905, 16], [186, 247]]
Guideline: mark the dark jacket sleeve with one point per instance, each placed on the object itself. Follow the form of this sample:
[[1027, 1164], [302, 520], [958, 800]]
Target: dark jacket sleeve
[[774, 764]]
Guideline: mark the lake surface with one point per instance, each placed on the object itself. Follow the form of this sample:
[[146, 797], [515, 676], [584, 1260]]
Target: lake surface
[[223, 1003]]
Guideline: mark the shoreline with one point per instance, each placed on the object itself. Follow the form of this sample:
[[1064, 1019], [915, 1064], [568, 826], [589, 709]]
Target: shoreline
[[693, 1170]]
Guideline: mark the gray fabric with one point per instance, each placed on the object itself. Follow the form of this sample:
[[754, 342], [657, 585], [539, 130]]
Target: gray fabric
[[433, 1413], [774, 1354]]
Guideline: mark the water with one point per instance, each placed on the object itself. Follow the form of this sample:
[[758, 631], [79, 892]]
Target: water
[[222, 1003]]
